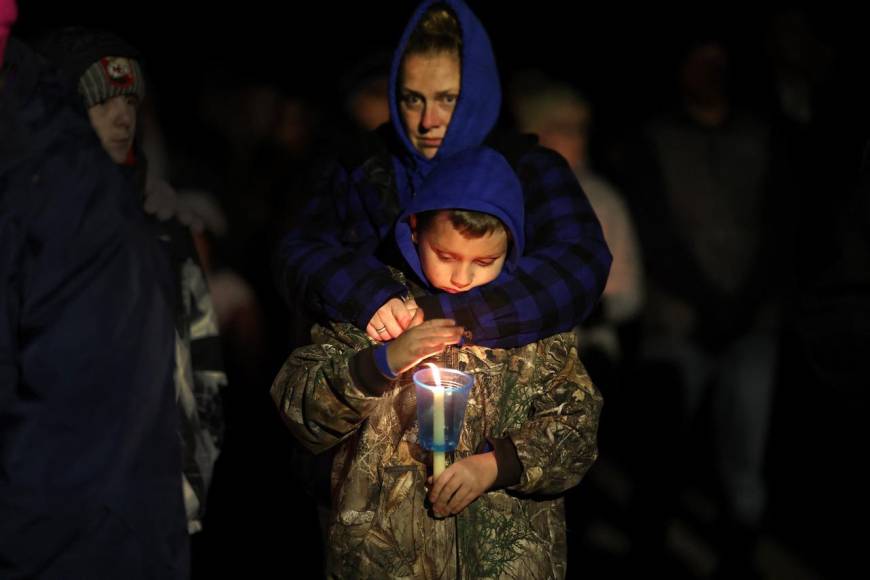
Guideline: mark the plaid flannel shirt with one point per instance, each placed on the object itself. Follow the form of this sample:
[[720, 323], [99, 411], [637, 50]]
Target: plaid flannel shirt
[[328, 263]]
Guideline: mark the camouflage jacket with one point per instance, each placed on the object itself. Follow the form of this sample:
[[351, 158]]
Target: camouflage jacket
[[539, 395]]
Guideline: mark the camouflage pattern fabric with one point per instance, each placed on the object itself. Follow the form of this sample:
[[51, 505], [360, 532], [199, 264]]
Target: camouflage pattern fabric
[[199, 373], [539, 395]]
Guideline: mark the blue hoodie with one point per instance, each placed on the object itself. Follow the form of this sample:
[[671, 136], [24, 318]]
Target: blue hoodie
[[477, 109], [477, 179]]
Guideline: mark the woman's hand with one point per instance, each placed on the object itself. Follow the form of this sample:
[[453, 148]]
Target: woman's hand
[[393, 318]]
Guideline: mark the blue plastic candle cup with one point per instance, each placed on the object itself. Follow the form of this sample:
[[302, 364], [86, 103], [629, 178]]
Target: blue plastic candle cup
[[441, 410]]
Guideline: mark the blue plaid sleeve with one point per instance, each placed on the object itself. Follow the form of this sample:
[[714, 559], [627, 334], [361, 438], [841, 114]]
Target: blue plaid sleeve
[[561, 275], [326, 263]]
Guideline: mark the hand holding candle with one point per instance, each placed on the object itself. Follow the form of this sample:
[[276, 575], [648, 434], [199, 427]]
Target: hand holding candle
[[467, 479], [442, 395], [462, 483]]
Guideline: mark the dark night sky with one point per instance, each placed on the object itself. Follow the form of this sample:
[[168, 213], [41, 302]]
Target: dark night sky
[[607, 49], [621, 56]]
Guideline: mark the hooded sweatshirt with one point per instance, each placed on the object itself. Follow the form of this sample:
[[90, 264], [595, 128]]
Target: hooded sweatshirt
[[476, 110], [479, 179], [334, 263]]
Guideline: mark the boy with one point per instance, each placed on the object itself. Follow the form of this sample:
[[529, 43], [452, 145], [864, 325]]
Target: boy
[[532, 413]]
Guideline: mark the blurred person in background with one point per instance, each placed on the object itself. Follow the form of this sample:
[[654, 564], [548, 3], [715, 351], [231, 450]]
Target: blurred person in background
[[90, 454]]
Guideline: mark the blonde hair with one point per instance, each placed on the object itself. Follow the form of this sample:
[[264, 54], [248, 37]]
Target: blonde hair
[[437, 32]]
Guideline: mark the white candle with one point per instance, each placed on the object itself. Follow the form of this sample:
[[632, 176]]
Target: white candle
[[439, 459]]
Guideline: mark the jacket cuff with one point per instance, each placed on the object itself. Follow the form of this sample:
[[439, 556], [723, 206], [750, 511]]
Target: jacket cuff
[[510, 468], [365, 374]]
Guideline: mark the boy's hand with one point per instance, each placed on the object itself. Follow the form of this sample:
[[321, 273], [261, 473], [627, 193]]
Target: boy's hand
[[392, 319], [420, 341], [462, 483]]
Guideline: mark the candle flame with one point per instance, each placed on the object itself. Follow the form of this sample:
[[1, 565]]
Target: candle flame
[[436, 373]]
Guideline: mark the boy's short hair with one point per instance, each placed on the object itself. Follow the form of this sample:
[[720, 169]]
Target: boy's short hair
[[471, 224]]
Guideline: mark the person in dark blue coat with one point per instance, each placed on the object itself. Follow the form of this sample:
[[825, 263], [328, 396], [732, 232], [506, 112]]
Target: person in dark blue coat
[[89, 446], [111, 83]]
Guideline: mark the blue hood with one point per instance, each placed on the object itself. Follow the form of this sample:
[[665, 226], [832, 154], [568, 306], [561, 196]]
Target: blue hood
[[477, 179], [479, 101]]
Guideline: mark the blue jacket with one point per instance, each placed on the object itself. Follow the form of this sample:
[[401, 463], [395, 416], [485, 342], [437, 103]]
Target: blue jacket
[[333, 263], [90, 457], [476, 111]]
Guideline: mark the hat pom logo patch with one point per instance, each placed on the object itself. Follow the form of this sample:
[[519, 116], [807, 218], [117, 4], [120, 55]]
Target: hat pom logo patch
[[118, 70]]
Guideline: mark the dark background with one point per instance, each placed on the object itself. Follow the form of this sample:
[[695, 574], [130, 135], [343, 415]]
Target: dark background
[[619, 54], [622, 57]]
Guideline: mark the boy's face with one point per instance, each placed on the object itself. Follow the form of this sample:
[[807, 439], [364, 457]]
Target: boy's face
[[455, 263]]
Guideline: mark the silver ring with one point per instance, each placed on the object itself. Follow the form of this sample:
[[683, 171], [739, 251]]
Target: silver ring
[[381, 329]]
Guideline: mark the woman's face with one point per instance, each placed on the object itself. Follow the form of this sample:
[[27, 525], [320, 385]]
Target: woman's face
[[428, 93]]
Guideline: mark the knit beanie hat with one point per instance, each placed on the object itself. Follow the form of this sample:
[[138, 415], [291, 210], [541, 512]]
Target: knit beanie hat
[[109, 77], [100, 63]]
